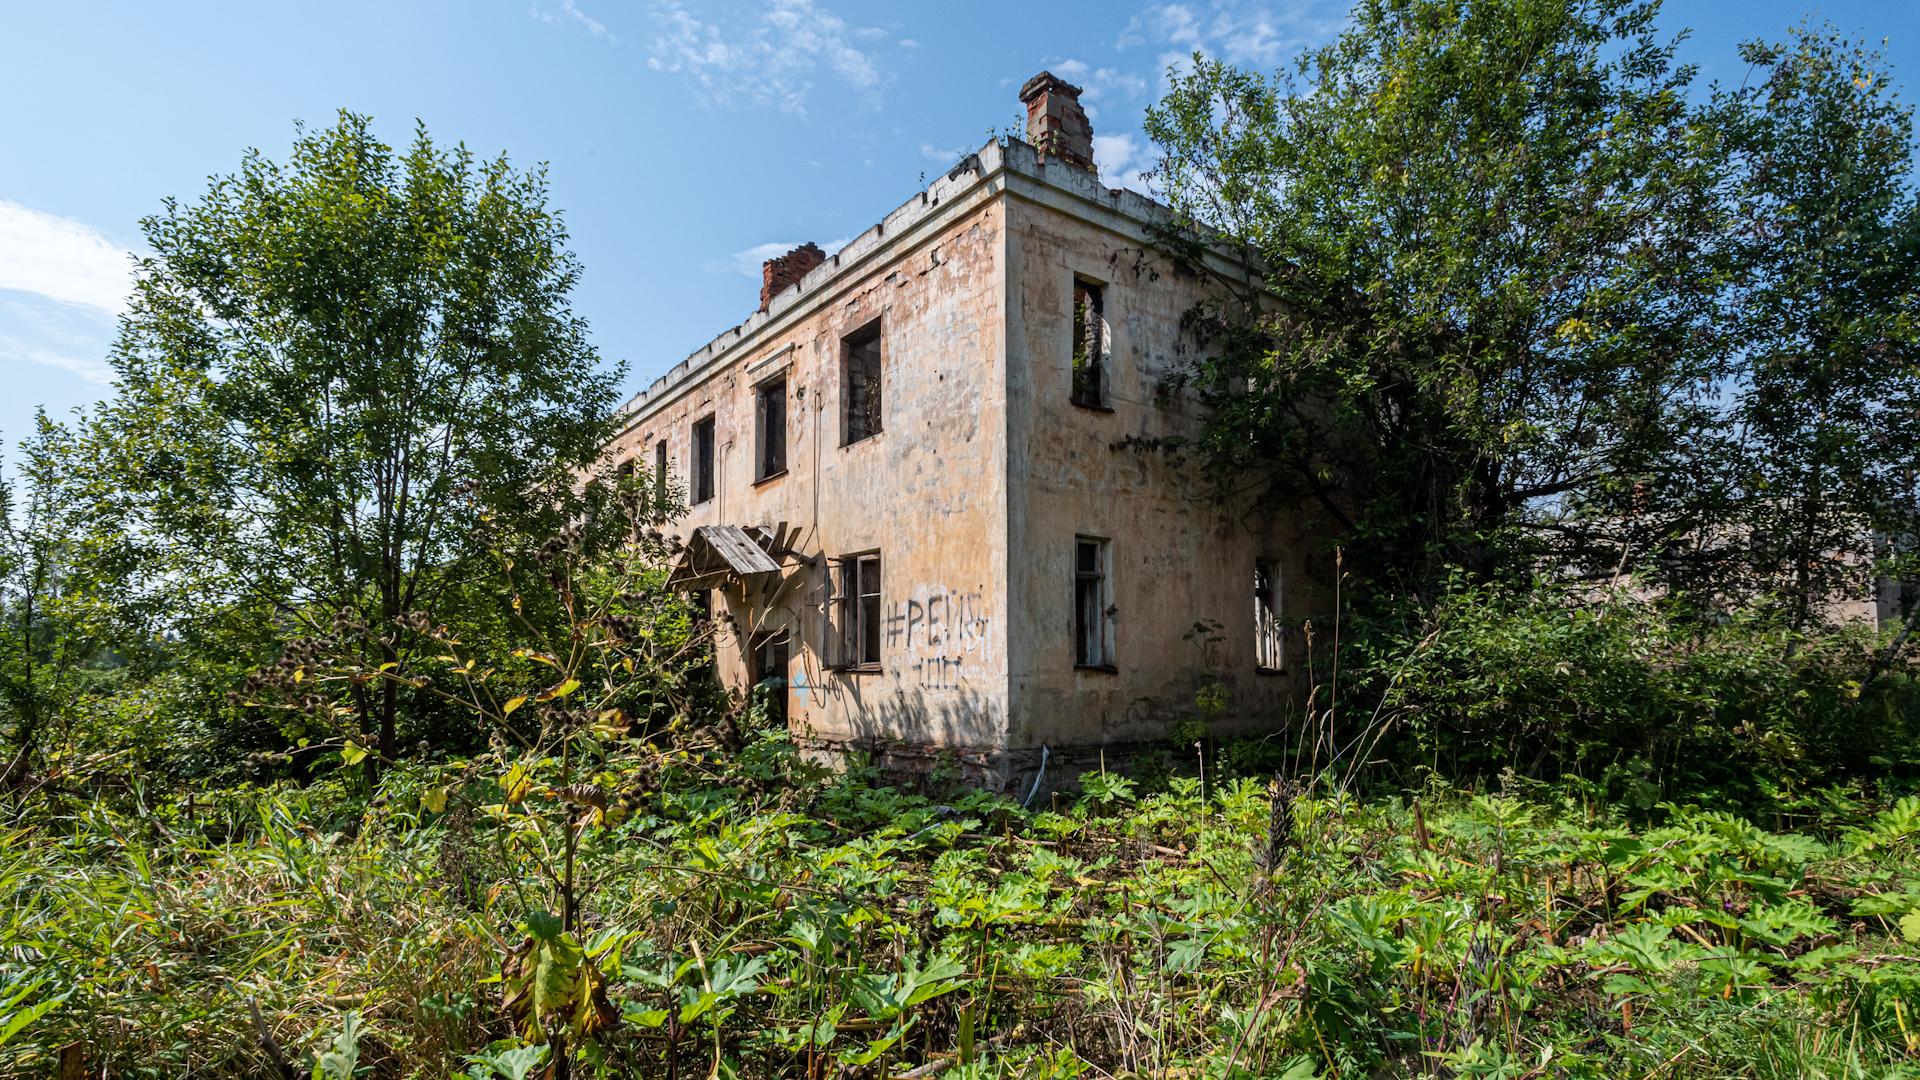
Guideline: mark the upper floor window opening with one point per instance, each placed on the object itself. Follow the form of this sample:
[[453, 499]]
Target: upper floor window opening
[[860, 384], [624, 487], [660, 469], [770, 423], [703, 479], [1269, 653], [1089, 344]]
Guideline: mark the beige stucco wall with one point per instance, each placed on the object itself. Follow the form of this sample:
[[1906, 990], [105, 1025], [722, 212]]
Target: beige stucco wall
[[1182, 565], [982, 478], [928, 492]]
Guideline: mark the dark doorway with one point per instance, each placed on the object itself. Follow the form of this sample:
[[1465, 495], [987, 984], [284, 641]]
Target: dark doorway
[[769, 660]]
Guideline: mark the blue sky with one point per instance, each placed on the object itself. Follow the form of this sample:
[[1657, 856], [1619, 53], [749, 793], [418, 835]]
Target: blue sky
[[686, 139]]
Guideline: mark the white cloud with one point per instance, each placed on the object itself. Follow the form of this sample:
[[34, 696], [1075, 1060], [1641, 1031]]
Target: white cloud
[[91, 368], [62, 259], [1263, 37], [568, 12], [1113, 153], [1163, 24], [72, 337], [1251, 33], [943, 156], [1174, 65], [773, 59], [1119, 159], [1101, 85], [746, 263]]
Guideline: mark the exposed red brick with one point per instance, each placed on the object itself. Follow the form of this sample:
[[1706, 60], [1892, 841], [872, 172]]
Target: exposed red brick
[[1056, 125], [778, 275]]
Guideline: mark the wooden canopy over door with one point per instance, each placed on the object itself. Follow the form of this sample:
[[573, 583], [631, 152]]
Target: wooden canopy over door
[[717, 555]]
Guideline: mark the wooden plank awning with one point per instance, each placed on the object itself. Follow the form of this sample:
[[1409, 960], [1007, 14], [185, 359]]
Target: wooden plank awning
[[717, 555]]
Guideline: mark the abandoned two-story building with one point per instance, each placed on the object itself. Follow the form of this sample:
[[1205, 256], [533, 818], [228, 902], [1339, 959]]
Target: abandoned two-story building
[[913, 494]]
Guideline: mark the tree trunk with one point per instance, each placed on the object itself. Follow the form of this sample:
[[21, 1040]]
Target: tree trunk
[[370, 764], [389, 707]]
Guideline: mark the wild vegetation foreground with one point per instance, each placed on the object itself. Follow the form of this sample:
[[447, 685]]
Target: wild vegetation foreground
[[759, 917], [352, 730]]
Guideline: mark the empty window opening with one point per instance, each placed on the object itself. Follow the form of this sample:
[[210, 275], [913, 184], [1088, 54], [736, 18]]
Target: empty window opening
[[660, 469], [702, 460], [1089, 344], [855, 611], [860, 384], [1092, 644], [770, 413], [624, 489], [1269, 652]]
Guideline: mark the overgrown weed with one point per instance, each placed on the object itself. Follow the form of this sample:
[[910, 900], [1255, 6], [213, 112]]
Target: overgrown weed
[[759, 916]]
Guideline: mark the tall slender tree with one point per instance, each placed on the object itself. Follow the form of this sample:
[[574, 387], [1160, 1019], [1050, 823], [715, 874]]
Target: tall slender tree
[[333, 369], [47, 632], [1828, 403]]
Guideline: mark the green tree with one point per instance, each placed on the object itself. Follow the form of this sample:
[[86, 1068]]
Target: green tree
[[1829, 317], [54, 631], [1489, 317], [332, 371]]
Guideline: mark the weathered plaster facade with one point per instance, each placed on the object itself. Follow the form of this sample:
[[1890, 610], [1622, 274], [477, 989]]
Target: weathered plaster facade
[[983, 476]]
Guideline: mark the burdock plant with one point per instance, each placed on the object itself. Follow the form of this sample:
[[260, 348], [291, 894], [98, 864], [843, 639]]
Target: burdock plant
[[595, 686]]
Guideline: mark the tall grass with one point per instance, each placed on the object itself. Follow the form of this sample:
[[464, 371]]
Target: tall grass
[[159, 944]]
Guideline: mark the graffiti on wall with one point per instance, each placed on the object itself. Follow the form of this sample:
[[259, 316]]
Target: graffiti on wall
[[940, 633]]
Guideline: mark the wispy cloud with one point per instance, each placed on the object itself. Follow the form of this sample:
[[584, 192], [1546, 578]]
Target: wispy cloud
[[773, 58], [1122, 161], [1251, 33], [91, 368], [1101, 85], [1117, 88], [62, 259], [568, 13], [943, 156], [747, 262], [72, 337], [1163, 24]]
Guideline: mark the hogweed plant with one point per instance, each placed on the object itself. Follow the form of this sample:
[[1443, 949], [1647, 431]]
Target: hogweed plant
[[633, 879], [605, 683], [755, 916]]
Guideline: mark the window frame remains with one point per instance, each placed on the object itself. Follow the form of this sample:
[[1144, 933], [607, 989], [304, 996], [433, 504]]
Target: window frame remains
[[855, 612], [1269, 636], [1093, 604]]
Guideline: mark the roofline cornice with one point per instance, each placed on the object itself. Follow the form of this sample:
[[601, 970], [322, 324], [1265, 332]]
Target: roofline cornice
[[999, 167]]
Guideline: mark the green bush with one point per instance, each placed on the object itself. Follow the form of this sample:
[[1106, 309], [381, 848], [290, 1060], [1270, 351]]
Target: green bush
[[1638, 695]]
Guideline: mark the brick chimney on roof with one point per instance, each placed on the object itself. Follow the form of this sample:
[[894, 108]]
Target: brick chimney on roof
[[1056, 125], [779, 275]]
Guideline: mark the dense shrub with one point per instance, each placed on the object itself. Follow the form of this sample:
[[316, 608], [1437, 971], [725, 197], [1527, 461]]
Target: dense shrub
[[1637, 693]]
